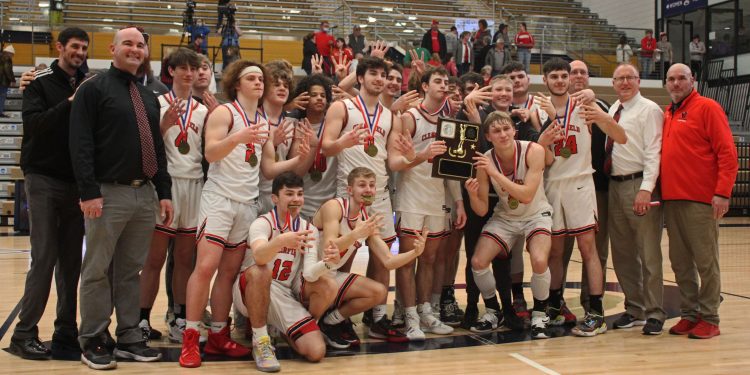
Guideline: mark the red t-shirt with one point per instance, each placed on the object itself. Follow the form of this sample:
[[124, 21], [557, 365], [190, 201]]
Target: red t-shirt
[[648, 45], [435, 41], [324, 41], [524, 40]]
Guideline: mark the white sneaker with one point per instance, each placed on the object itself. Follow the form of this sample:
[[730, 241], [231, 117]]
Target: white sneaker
[[487, 323], [398, 315], [435, 310], [176, 328], [539, 321], [413, 333], [431, 324]]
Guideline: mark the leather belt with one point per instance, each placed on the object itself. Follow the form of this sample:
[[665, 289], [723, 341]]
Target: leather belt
[[626, 177], [131, 183]]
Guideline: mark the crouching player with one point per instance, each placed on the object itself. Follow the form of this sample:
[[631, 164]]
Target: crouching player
[[515, 170], [346, 223], [272, 273]]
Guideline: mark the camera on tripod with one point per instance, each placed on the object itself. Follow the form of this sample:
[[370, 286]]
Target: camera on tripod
[[187, 16]]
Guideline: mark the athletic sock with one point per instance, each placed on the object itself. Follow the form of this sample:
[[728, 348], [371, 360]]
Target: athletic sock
[[595, 304], [378, 312], [258, 333], [216, 327], [503, 281], [540, 305], [194, 324], [540, 285], [491, 303], [435, 298], [146, 314], [334, 317], [445, 296], [411, 314], [555, 298], [485, 282], [183, 310], [518, 291]]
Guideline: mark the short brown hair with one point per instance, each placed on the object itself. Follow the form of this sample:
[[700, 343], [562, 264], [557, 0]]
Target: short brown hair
[[359, 172], [231, 76], [496, 116], [500, 77]]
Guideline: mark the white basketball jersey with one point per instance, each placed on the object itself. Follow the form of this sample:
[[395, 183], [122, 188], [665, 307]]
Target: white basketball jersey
[[576, 143], [508, 207], [346, 225], [184, 138], [281, 151], [418, 191], [318, 192], [233, 176], [355, 156], [288, 261]]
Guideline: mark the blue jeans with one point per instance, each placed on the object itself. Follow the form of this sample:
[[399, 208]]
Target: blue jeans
[[646, 64], [524, 57]]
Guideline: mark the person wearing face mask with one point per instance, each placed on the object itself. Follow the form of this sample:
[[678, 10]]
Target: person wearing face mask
[[325, 42]]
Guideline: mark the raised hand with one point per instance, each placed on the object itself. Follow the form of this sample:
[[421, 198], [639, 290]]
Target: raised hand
[[331, 254], [472, 186], [341, 66], [339, 94], [369, 227], [405, 146], [317, 64], [417, 64], [405, 101], [420, 241], [299, 102], [545, 103], [354, 137], [209, 100], [481, 161], [296, 240], [481, 96], [257, 133], [523, 113], [283, 132], [472, 112], [379, 48], [552, 134], [434, 149]]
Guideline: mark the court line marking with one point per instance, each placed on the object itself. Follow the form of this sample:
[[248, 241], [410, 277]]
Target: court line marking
[[534, 364]]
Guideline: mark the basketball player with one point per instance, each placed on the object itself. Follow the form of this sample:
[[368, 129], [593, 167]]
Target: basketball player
[[514, 169], [360, 132], [239, 147], [279, 240], [346, 223], [416, 208], [570, 190], [182, 129]]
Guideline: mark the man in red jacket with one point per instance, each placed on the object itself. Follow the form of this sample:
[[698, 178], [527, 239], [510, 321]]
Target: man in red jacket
[[648, 45], [698, 169]]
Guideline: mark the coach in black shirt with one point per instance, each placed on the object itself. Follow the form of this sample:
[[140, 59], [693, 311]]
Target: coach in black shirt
[[118, 158], [56, 219]]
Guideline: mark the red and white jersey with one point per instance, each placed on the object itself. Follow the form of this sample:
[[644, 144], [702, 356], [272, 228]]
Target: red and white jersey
[[234, 176], [318, 192], [186, 136], [576, 143], [281, 151], [418, 191], [508, 207], [288, 262], [530, 103], [355, 156], [346, 225]]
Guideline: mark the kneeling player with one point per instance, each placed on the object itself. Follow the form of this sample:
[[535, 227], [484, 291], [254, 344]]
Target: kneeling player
[[346, 223], [515, 170], [278, 241]]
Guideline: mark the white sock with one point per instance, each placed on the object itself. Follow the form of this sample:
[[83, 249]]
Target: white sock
[[411, 312], [259, 332], [485, 282], [424, 308], [334, 318], [540, 285], [192, 324], [378, 312], [216, 327]]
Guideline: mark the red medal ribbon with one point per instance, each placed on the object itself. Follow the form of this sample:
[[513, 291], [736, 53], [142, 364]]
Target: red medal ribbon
[[250, 147], [570, 106], [288, 224], [372, 121], [184, 120]]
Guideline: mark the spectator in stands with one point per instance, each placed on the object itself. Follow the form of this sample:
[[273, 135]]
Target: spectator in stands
[[341, 51], [698, 171], [623, 51], [450, 65], [435, 60], [486, 73], [199, 30], [324, 41], [197, 44], [434, 41], [451, 42], [697, 52], [663, 55], [7, 77], [524, 44], [648, 45], [497, 57], [464, 54], [502, 34], [481, 40], [308, 50], [357, 41]]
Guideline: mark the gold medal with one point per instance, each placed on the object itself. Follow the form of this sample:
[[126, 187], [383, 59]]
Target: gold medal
[[316, 175], [371, 150], [565, 152], [253, 160], [183, 147], [513, 203]]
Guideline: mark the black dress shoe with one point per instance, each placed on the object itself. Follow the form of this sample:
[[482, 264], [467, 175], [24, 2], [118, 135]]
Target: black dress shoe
[[29, 348]]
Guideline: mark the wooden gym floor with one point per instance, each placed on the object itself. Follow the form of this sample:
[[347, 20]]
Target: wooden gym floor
[[616, 352]]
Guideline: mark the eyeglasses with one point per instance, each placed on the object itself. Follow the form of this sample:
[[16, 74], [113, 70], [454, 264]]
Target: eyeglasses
[[623, 79]]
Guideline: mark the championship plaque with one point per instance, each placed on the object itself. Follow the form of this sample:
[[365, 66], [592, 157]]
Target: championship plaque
[[461, 138]]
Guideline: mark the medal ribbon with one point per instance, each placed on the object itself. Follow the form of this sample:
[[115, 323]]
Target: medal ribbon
[[444, 109], [184, 119], [250, 147], [529, 102], [262, 112], [569, 107], [320, 161], [372, 121], [289, 224], [515, 162]]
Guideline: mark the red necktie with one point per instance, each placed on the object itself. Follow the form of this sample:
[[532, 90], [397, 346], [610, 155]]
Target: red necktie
[[148, 155], [466, 53], [610, 145]]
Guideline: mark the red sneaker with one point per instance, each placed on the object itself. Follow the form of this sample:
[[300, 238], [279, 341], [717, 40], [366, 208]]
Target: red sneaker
[[683, 327], [191, 352], [221, 343], [570, 318], [704, 330]]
